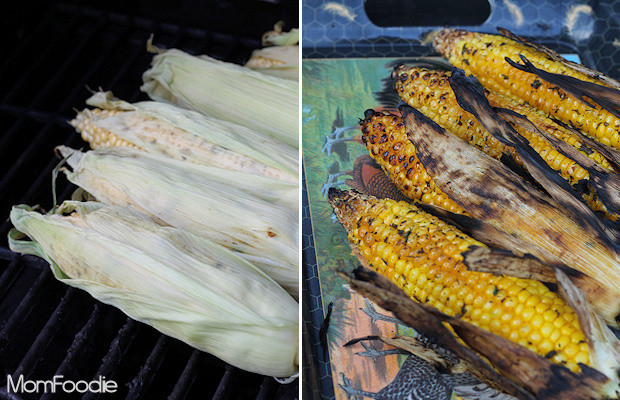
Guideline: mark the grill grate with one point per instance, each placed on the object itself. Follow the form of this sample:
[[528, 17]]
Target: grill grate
[[47, 328]]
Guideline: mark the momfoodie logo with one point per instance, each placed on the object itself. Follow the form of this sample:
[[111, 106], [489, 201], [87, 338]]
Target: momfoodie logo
[[58, 384]]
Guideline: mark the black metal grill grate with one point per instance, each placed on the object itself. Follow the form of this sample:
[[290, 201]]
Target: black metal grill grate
[[47, 328]]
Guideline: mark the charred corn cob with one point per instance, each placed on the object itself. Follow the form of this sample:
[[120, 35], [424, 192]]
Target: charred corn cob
[[417, 85], [385, 138], [555, 231], [568, 168], [424, 256], [184, 135], [483, 55], [429, 91]]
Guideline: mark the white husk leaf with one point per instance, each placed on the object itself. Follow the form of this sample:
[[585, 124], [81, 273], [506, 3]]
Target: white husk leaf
[[179, 283], [254, 215], [197, 135], [226, 91]]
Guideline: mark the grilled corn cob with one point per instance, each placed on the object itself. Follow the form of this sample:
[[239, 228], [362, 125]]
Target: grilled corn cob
[[181, 284], [483, 55], [424, 256], [185, 135], [256, 216], [560, 231], [386, 140], [417, 85], [429, 91]]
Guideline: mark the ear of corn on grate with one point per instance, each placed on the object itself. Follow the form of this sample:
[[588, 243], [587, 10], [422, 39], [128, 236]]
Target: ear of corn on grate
[[281, 57], [181, 284], [253, 215], [424, 256], [183, 134], [483, 55], [278, 61], [430, 92], [386, 140], [266, 104]]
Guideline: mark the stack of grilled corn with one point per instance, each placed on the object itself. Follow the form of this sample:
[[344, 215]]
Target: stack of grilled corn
[[526, 163], [195, 226]]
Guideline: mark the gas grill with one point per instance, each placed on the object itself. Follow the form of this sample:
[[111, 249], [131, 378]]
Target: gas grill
[[52, 55]]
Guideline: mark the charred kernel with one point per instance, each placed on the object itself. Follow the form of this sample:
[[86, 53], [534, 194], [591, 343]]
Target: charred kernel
[[417, 90], [408, 176], [421, 269]]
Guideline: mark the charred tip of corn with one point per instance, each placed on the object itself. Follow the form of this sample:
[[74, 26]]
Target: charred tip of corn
[[428, 37], [335, 194], [369, 113], [444, 37]]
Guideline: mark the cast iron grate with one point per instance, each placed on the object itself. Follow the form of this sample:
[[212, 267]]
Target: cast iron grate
[[47, 328]]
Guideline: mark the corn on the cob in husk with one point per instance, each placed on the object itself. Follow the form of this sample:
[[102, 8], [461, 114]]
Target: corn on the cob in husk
[[182, 134], [281, 56], [385, 138], [256, 216], [263, 103], [424, 256], [429, 91], [557, 234], [484, 56], [181, 284]]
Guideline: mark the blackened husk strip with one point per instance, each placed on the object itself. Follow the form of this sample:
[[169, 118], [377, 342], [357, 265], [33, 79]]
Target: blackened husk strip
[[490, 191], [606, 97], [556, 57], [606, 183], [470, 96], [522, 372]]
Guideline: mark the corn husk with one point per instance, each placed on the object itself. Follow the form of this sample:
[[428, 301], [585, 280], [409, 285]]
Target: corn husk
[[179, 283], [253, 215], [280, 57], [226, 91], [278, 61], [182, 134]]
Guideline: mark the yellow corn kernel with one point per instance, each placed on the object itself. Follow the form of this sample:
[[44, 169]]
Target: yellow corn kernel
[[483, 55], [428, 269], [95, 136], [416, 85], [386, 140]]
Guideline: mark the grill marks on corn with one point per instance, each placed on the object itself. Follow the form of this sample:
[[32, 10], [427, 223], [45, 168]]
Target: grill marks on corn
[[489, 64], [429, 92], [385, 138], [424, 256], [415, 85]]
